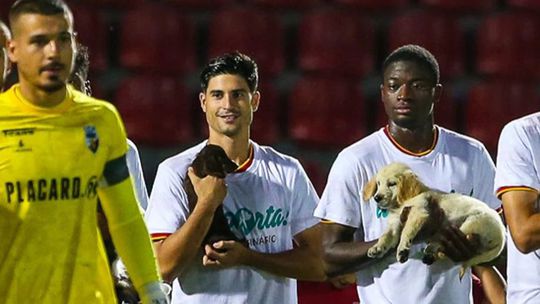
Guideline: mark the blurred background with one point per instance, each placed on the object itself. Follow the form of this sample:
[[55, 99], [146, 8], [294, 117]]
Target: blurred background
[[319, 66]]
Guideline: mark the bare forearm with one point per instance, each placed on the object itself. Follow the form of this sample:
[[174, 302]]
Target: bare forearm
[[347, 257], [493, 284], [299, 263], [527, 233], [180, 248]]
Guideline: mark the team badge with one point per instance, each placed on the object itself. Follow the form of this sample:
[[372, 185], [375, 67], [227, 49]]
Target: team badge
[[91, 137]]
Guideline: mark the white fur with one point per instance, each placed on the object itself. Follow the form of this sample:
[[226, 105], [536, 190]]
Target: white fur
[[396, 187]]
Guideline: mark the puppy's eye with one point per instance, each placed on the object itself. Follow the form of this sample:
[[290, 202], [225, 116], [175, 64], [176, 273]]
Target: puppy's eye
[[391, 183]]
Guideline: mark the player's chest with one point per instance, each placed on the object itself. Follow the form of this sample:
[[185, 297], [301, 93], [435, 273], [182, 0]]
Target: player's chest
[[51, 149]]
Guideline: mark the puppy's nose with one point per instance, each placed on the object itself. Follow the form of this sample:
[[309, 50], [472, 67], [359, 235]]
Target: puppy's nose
[[378, 198]]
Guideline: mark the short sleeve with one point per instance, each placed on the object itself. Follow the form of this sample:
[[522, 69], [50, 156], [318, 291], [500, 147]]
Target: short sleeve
[[136, 173], [116, 133], [515, 164], [484, 175], [341, 198], [304, 200], [168, 207]]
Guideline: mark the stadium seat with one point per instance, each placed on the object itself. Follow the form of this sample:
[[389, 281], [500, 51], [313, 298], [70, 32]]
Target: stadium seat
[[326, 112], [316, 172], [336, 42], [201, 4], [525, 4], [254, 32], [439, 33], [156, 110], [508, 45], [93, 31], [373, 5], [461, 5], [158, 38], [446, 111], [267, 123], [492, 104], [121, 4], [286, 4]]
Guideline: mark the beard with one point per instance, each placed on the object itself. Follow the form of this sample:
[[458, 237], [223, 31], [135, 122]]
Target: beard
[[54, 85]]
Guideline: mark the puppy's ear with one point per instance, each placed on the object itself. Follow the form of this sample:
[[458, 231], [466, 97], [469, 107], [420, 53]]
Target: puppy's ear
[[409, 186], [369, 189]]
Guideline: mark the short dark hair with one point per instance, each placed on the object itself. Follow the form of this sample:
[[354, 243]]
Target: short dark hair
[[415, 53], [42, 7], [234, 63]]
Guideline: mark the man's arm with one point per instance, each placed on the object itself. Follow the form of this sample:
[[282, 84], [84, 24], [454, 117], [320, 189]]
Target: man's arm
[[131, 239], [341, 253], [522, 218], [180, 248], [303, 262], [493, 283]]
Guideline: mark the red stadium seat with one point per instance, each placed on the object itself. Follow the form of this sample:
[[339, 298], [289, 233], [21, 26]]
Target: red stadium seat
[[492, 104], [156, 110], [526, 4], [201, 4], [438, 32], [157, 38], [254, 32], [374, 5], [111, 3], [336, 42], [445, 111], [326, 112], [266, 126], [508, 45], [294, 4], [93, 31], [461, 5], [317, 174]]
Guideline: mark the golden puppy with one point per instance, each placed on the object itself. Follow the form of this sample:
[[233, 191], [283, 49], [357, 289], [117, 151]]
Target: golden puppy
[[396, 188]]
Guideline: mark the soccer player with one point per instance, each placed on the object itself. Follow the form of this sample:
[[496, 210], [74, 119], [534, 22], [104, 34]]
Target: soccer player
[[4, 61], [517, 183], [269, 201], [59, 151], [443, 159]]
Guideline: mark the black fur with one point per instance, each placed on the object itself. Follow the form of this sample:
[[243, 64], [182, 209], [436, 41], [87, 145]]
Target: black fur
[[213, 161]]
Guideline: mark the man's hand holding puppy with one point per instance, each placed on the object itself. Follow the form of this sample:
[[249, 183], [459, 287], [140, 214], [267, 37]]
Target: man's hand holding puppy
[[210, 191], [225, 254]]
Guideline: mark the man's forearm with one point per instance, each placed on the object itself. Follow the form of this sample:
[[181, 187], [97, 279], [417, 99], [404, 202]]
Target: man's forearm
[[347, 257], [180, 248], [299, 263]]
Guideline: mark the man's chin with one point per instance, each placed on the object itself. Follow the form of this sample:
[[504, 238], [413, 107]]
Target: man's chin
[[53, 86]]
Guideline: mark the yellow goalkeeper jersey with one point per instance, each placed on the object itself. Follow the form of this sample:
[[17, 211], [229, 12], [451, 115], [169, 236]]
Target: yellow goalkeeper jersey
[[51, 163]]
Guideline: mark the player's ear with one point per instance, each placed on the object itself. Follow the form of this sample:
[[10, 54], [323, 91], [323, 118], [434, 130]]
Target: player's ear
[[202, 100]]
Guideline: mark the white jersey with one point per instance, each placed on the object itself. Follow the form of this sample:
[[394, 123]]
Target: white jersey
[[136, 173], [455, 163], [268, 203], [518, 168]]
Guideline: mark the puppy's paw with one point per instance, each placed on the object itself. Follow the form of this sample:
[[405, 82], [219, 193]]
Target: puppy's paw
[[402, 255], [376, 251]]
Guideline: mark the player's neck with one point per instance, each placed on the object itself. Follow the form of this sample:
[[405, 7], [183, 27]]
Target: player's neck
[[40, 97], [236, 148], [417, 140]]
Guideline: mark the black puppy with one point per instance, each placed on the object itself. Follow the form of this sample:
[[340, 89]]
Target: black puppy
[[212, 161]]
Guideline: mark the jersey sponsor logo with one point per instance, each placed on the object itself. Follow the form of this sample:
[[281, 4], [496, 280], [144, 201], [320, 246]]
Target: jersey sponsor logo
[[91, 138], [245, 220], [19, 132], [53, 189], [22, 147]]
